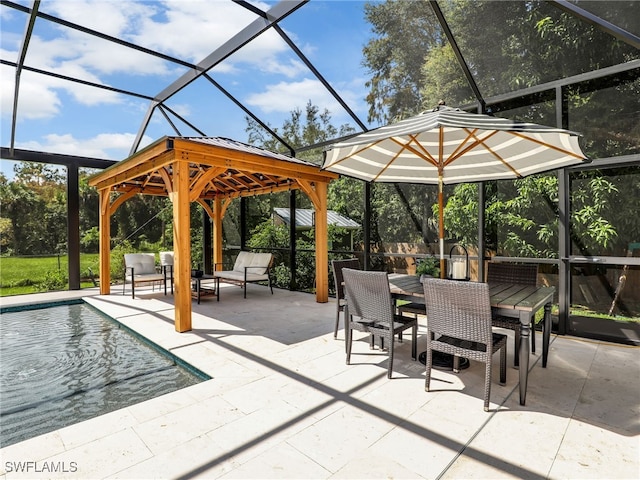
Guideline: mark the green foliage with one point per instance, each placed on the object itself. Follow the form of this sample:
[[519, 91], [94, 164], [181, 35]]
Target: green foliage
[[404, 32], [461, 214], [269, 235], [53, 280], [6, 236], [428, 266], [18, 275], [507, 46], [90, 241], [302, 128]]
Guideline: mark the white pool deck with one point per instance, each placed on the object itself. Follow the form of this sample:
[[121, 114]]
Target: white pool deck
[[282, 403]]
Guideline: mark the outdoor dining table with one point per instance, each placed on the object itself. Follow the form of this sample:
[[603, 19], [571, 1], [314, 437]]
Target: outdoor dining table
[[512, 300]]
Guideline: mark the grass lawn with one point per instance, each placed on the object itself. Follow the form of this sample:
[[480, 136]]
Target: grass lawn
[[21, 275]]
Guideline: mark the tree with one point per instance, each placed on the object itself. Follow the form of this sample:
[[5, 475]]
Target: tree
[[303, 128], [404, 33], [507, 46], [35, 203]]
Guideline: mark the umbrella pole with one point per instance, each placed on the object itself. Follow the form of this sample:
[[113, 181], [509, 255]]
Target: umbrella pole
[[441, 223]]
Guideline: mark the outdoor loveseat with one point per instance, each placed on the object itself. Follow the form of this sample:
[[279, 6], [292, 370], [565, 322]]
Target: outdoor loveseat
[[141, 268], [249, 267]]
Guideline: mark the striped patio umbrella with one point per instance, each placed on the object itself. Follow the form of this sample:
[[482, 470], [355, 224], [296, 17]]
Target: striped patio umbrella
[[448, 146]]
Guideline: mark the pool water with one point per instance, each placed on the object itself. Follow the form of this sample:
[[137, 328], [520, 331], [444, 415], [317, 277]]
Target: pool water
[[65, 364]]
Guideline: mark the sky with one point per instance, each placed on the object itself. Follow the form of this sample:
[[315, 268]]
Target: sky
[[55, 115]]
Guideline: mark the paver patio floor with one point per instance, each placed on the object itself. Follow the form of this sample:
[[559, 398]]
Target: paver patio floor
[[282, 403]]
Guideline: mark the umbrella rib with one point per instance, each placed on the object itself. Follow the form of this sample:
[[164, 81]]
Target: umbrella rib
[[357, 152], [545, 144], [481, 142], [421, 153], [471, 134], [382, 170], [405, 146]]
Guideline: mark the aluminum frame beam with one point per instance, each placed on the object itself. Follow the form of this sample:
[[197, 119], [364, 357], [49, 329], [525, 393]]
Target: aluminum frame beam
[[20, 64], [458, 53], [586, 16], [247, 34]]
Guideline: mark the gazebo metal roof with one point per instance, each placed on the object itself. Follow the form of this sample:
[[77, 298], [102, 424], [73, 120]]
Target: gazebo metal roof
[[220, 167]]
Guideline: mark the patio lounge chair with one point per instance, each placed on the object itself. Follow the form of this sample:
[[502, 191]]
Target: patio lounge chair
[[141, 268], [249, 267], [459, 323]]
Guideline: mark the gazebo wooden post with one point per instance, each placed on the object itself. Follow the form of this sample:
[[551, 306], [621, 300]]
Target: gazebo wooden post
[[181, 245], [217, 231], [322, 243], [105, 242]]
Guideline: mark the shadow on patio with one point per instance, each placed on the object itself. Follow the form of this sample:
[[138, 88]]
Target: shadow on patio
[[283, 404]]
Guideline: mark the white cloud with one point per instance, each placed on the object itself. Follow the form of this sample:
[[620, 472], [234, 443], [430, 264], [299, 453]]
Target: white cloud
[[291, 69], [182, 109], [35, 100], [112, 18], [39, 98], [194, 29], [91, 57], [284, 97], [113, 146]]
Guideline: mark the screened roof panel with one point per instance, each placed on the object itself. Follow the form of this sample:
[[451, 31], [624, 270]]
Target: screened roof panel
[[187, 30], [89, 58], [624, 14], [504, 44], [272, 58]]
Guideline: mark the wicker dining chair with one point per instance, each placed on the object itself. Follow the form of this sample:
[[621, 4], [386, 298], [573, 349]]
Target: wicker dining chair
[[337, 266], [371, 309], [512, 273], [459, 323]]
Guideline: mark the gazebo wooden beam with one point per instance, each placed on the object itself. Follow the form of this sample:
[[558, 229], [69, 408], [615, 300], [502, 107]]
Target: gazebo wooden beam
[[256, 191], [140, 168]]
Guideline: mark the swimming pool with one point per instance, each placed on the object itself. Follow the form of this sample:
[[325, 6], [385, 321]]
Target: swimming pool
[[68, 363]]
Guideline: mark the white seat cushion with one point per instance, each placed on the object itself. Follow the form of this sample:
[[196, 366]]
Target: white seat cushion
[[142, 263], [239, 276], [166, 258], [260, 260], [243, 259]]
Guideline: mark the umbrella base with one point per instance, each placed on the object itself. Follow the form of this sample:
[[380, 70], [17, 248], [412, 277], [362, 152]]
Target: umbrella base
[[443, 361]]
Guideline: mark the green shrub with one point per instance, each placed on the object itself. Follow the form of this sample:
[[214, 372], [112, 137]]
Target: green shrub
[[53, 280], [117, 259], [428, 266], [90, 241]]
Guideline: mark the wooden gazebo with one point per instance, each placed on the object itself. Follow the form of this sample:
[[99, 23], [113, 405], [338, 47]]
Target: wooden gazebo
[[212, 172]]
